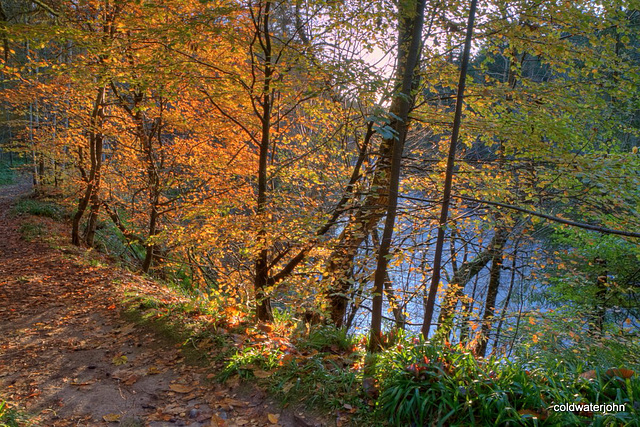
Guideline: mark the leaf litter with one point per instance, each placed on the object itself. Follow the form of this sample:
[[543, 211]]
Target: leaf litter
[[68, 358]]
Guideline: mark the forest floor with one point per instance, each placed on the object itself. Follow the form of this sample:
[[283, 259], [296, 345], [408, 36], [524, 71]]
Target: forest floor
[[70, 356]]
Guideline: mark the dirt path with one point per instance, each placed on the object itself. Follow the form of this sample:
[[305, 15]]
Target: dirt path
[[67, 356]]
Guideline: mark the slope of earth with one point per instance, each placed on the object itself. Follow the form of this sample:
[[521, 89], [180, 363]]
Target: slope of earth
[[69, 357]]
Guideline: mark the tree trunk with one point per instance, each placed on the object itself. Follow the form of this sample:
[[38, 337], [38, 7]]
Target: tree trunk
[[83, 202], [507, 300], [150, 247], [92, 223], [452, 295], [92, 179], [336, 280], [396, 309], [492, 291], [263, 302], [467, 309], [596, 324], [409, 44], [446, 195], [153, 180]]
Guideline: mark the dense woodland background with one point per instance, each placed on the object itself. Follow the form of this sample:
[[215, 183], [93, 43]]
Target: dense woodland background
[[290, 158]]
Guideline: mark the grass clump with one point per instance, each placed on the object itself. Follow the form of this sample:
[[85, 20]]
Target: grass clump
[[10, 417], [185, 322], [31, 231], [37, 207], [421, 382], [318, 366]]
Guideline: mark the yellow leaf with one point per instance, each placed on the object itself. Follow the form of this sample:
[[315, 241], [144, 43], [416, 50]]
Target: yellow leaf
[[287, 387], [119, 360], [180, 388], [534, 338], [273, 418], [153, 370], [112, 418]]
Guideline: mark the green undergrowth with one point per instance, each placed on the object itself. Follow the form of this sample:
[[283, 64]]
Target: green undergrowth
[[33, 208], [316, 366], [10, 417], [31, 231], [7, 175], [9, 170], [178, 322], [421, 382], [42, 205], [411, 383]]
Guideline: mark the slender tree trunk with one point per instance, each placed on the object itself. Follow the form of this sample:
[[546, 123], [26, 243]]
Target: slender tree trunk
[[154, 214], [467, 309], [40, 157], [96, 168], [261, 280], [150, 247], [596, 324], [507, 300], [336, 281], [409, 45], [145, 136], [394, 302], [92, 179], [492, 291], [454, 292], [92, 223], [83, 202], [34, 156], [446, 196], [153, 180], [96, 165]]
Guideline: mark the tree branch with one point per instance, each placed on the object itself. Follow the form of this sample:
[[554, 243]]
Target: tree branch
[[583, 225], [46, 7]]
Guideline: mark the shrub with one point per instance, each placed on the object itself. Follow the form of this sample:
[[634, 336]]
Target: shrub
[[422, 382]]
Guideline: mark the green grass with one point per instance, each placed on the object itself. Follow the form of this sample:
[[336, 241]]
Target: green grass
[[414, 382], [314, 367], [7, 176], [7, 172], [31, 231], [37, 207], [10, 417], [175, 322], [423, 382]]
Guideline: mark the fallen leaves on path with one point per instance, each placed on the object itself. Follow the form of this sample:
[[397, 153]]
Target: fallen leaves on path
[[69, 358]]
